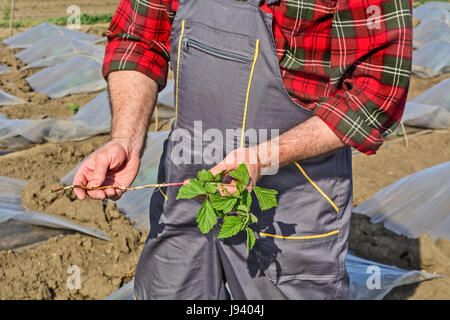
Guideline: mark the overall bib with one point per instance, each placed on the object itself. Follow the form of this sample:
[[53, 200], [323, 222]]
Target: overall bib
[[227, 76]]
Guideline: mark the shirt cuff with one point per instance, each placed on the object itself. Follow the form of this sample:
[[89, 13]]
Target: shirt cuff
[[349, 125], [131, 55]]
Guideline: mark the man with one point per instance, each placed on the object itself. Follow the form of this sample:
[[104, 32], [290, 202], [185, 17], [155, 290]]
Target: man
[[318, 77]]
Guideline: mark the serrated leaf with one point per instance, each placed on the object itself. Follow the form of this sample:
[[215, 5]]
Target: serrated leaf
[[230, 227], [241, 174], [210, 188], [239, 186], [266, 197], [247, 198], [218, 177], [224, 203], [250, 239], [205, 176], [206, 217], [191, 190], [253, 218]]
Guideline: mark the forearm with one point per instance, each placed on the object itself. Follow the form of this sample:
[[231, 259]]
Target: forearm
[[307, 140], [133, 99]]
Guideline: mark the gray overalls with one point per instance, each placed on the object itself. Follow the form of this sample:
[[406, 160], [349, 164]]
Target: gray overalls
[[227, 75]]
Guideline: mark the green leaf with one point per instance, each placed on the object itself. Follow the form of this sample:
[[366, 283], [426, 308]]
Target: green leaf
[[205, 176], [210, 188], [250, 239], [253, 218], [224, 203], [239, 186], [206, 217], [247, 198], [218, 177], [266, 197], [241, 173], [188, 191], [231, 226]]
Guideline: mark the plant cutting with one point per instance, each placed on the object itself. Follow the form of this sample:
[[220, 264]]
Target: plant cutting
[[233, 210]]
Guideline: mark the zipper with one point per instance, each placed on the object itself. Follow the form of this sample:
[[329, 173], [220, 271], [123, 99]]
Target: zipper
[[188, 42]]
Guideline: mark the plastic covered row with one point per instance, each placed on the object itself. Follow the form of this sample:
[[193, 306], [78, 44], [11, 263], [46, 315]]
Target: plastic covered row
[[432, 59], [414, 205], [364, 283], [7, 99], [80, 74], [11, 208], [430, 12], [135, 204], [437, 4], [56, 49], [29, 37], [430, 30], [4, 69], [431, 109]]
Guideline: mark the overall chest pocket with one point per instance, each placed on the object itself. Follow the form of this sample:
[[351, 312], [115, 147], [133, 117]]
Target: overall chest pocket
[[213, 75]]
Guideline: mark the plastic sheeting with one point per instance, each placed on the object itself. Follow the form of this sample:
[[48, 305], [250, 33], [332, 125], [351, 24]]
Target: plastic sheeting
[[362, 287], [430, 30], [431, 109], [11, 208], [415, 205], [428, 12], [135, 204], [44, 30], [7, 99], [56, 49], [4, 69], [360, 272], [432, 59], [437, 4], [81, 74]]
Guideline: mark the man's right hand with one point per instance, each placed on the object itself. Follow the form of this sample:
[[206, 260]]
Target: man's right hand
[[114, 164]]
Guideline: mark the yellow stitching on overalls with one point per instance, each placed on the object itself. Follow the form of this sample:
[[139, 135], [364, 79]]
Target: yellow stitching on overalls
[[178, 68], [162, 192], [255, 57], [300, 237], [317, 187]]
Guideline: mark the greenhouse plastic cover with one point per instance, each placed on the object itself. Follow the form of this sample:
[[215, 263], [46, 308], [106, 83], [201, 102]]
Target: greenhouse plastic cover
[[437, 4], [4, 69], [359, 270], [431, 109], [11, 208], [44, 30], [432, 59], [7, 99], [80, 74], [430, 30], [56, 49], [428, 12], [135, 204], [416, 205]]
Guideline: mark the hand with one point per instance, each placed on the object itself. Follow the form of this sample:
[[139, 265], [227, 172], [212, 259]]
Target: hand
[[114, 164], [249, 156]]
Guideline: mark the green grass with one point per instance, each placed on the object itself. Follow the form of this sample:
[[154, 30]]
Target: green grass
[[86, 19]]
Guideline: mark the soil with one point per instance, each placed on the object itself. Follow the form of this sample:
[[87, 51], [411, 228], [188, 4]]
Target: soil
[[40, 271]]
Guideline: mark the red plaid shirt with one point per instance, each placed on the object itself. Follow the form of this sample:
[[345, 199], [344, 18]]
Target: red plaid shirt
[[347, 60]]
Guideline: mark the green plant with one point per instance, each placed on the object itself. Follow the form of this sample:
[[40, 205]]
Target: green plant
[[232, 209], [74, 107], [6, 12]]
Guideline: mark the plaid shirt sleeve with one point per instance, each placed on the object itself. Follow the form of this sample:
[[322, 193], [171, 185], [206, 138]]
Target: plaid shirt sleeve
[[371, 50], [139, 39]]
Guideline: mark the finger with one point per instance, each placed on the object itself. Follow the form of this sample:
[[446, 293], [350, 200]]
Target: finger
[[110, 193], [97, 194], [187, 181], [101, 167], [80, 179], [219, 168]]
